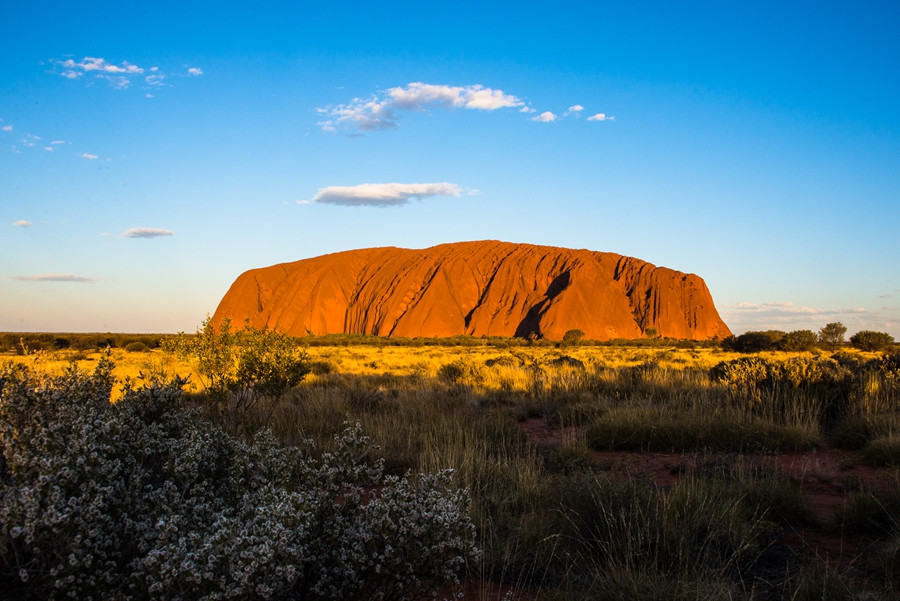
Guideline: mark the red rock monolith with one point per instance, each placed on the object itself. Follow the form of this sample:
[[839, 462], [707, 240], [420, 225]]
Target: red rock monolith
[[485, 288]]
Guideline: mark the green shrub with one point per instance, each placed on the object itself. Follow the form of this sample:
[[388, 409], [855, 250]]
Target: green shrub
[[461, 372], [754, 342], [798, 340], [241, 368], [136, 347]]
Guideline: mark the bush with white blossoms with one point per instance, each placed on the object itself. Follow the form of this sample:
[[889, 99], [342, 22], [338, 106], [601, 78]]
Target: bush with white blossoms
[[143, 499]]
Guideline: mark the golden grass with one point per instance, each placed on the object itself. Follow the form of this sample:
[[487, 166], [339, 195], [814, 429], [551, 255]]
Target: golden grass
[[423, 361]]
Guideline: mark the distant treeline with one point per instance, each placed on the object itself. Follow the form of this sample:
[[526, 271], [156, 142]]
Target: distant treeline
[[24, 343], [750, 342], [29, 342]]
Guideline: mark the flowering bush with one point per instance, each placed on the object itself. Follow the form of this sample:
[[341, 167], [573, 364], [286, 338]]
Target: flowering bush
[[143, 499]]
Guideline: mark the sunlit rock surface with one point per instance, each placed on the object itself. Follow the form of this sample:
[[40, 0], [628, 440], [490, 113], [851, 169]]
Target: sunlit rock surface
[[485, 288]]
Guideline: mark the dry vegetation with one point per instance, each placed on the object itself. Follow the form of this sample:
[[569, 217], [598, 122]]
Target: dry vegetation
[[614, 472]]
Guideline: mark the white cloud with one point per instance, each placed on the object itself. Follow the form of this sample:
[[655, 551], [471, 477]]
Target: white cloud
[[574, 109], [146, 232], [22, 223], [7, 128], [120, 76], [379, 111], [89, 156], [545, 117], [115, 74], [56, 277], [381, 195], [601, 117]]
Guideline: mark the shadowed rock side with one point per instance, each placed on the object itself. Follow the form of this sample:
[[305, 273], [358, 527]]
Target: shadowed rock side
[[484, 288]]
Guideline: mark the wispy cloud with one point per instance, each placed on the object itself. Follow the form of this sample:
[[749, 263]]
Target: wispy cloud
[[6, 127], [120, 76], [601, 117], [22, 223], [380, 111], [381, 195], [545, 117], [56, 277], [89, 156], [146, 232]]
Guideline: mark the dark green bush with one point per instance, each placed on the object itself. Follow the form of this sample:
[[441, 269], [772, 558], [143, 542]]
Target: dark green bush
[[867, 340]]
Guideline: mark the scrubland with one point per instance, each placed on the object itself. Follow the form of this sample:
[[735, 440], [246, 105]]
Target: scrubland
[[613, 472]]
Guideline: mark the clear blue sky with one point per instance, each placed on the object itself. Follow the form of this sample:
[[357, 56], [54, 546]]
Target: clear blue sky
[[150, 154]]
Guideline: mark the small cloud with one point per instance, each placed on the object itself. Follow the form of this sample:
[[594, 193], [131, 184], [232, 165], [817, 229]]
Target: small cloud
[[117, 75], [57, 142], [380, 111], [574, 110], [89, 156], [22, 223], [381, 195], [886, 296], [601, 117], [56, 277], [7, 128], [120, 76], [146, 232], [545, 117]]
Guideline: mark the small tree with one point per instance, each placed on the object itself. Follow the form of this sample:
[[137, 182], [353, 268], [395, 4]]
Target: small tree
[[572, 337], [867, 340], [832, 335]]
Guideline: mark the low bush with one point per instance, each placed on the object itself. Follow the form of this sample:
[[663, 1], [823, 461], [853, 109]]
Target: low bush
[[883, 451]]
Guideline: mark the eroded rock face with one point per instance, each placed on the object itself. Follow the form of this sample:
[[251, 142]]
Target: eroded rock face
[[476, 288]]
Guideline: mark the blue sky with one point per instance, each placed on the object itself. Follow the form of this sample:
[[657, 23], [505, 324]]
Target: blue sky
[[150, 154]]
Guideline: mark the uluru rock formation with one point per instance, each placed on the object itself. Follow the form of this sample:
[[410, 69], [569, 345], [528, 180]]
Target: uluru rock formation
[[485, 288]]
